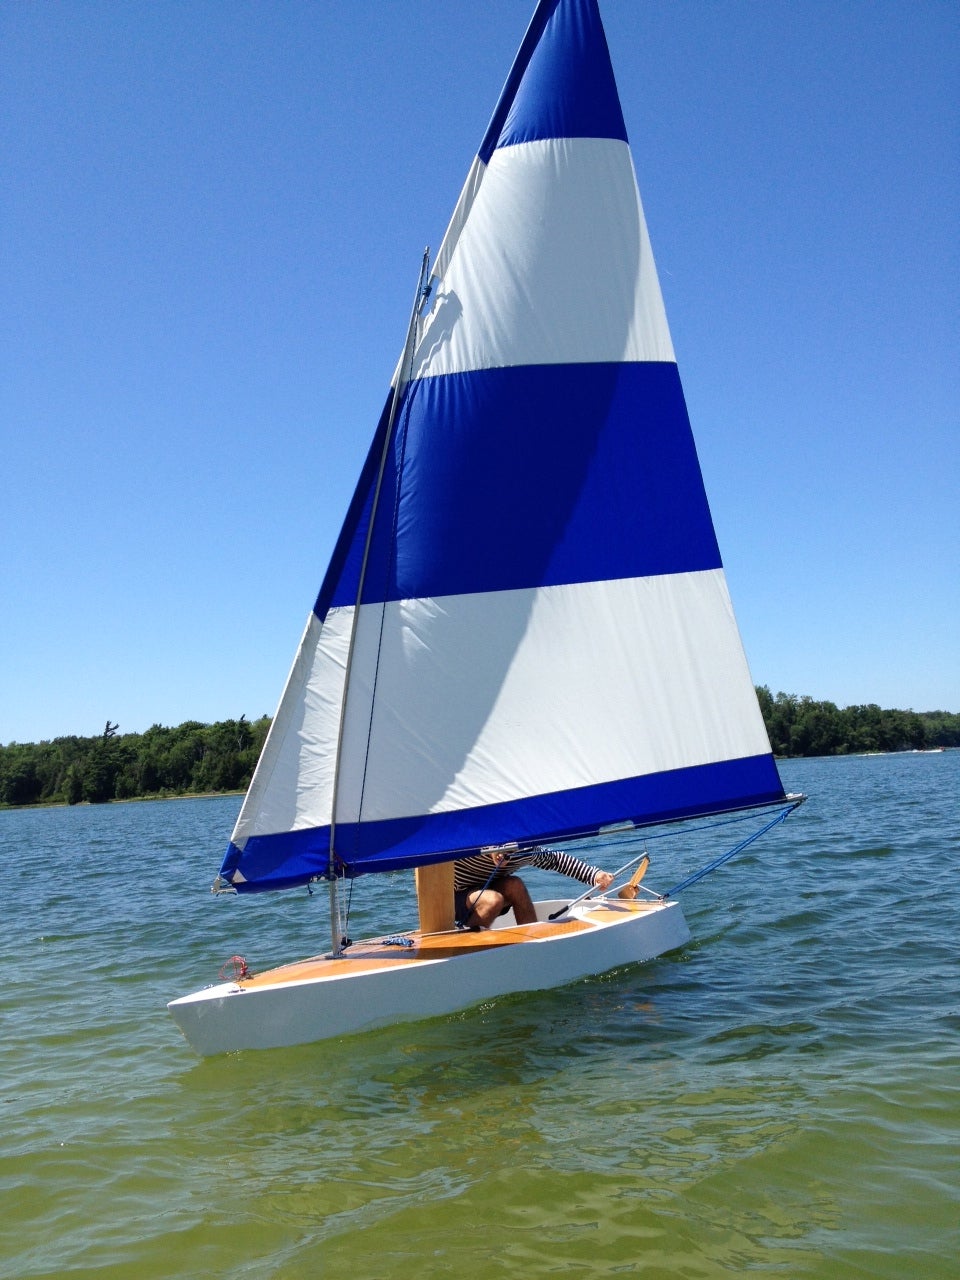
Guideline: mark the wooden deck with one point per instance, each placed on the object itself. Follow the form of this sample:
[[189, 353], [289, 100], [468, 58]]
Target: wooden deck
[[364, 957]]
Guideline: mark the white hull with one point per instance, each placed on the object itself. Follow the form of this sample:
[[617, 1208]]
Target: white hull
[[377, 984]]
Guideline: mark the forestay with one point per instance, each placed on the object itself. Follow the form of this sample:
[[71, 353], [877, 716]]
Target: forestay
[[544, 643]]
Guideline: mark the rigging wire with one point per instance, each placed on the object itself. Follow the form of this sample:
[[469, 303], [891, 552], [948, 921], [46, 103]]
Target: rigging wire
[[731, 853], [471, 908], [593, 888], [345, 940], [404, 373], [419, 302], [779, 817]]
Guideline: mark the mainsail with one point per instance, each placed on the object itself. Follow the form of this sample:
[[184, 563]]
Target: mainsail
[[525, 632]]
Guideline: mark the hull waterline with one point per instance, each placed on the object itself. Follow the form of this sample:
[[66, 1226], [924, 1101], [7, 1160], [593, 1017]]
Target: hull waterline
[[379, 983]]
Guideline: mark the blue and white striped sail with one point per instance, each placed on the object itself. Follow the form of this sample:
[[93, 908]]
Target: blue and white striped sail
[[544, 644]]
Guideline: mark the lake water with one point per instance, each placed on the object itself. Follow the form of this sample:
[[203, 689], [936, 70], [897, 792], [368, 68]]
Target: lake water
[[781, 1097]]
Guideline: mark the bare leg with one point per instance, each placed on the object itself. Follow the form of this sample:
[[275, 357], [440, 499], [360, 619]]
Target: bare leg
[[485, 907], [517, 894], [510, 892]]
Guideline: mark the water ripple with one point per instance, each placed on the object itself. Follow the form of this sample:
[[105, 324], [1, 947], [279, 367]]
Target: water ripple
[[779, 1097]]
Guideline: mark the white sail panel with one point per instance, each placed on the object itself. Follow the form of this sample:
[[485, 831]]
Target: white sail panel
[[292, 787], [553, 266], [458, 219], [488, 698]]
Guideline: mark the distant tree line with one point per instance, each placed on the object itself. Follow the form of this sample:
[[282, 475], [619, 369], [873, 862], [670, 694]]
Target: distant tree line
[[803, 727], [191, 759], [195, 758]]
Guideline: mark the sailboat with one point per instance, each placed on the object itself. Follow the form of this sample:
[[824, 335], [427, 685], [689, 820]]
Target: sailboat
[[524, 636]]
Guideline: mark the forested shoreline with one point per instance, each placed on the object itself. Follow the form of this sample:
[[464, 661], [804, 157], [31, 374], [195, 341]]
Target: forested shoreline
[[189, 759], [804, 727], [197, 759]]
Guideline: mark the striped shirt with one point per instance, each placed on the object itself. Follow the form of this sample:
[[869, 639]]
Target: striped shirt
[[473, 873]]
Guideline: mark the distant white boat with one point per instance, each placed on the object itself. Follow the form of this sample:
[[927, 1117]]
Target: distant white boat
[[524, 635]]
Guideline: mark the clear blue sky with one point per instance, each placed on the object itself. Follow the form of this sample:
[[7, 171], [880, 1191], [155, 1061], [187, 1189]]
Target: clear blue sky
[[211, 217]]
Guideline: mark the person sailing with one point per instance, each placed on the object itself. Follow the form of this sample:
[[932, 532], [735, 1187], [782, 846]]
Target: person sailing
[[486, 885]]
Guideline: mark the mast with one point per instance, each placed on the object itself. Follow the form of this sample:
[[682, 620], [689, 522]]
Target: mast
[[400, 380]]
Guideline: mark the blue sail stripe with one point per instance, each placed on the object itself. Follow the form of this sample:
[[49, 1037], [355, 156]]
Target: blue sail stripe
[[290, 858], [343, 573], [561, 84], [537, 476]]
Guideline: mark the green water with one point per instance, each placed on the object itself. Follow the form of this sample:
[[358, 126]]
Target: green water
[[779, 1098]]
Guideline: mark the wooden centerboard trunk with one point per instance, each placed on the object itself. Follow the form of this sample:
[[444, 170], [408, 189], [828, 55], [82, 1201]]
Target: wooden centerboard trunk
[[435, 897]]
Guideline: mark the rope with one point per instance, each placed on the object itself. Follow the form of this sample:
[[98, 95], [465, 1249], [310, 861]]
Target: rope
[[345, 940], [234, 969], [471, 908], [731, 853], [676, 827]]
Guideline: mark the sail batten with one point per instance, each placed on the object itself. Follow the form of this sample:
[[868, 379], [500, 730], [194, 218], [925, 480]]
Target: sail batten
[[543, 643]]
